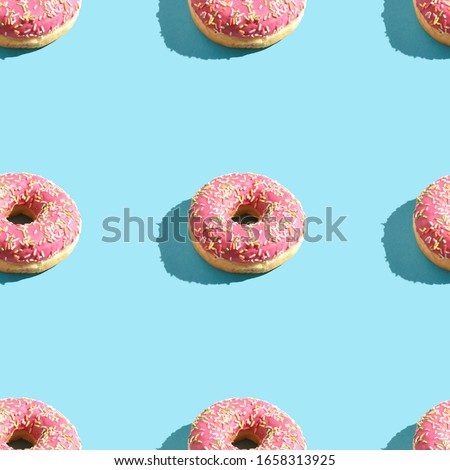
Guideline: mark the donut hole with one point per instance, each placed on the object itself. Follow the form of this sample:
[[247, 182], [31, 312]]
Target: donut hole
[[21, 215], [21, 440], [246, 440], [246, 215]]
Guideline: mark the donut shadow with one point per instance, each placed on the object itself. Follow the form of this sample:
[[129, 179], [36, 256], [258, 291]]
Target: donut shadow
[[178, 440], [406, 35], [403, 440], [182, 36], [179, 256], [7, 53], [6, 278], [403, 255]]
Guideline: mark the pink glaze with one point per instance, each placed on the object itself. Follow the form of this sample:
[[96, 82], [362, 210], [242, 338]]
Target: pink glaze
[[432, 217], [436, 13], [281, 224], [48, 428], [433, 429], [247, 18], [56, 226], [32, 18], [217, 427]]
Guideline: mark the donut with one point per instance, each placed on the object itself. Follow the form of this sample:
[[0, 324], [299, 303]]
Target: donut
[[220, 216], [229, 421], [431, 222], [35, 23], [53, 230], [246, 23], [433, 429], [434, 17], [39, 424]]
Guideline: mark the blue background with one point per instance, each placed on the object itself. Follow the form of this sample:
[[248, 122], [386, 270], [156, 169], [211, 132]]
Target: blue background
[[132, 340]]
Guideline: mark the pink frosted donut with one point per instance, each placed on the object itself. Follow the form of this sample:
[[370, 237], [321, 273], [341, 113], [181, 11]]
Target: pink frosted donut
[[433, 429], [35, 23], [231, 421], [434, 17], [53, 232], [431, 222], [40, 425], [237, 246], [247, 23]]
